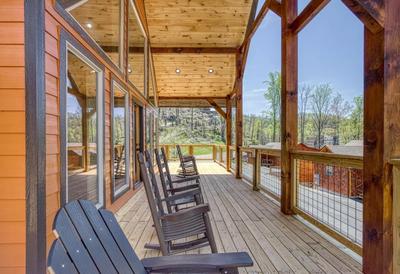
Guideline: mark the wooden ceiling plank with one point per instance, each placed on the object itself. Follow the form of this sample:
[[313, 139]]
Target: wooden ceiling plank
[[309, 12]]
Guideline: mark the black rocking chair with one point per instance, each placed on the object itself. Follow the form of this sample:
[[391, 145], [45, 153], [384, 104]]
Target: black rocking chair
[[171, 227]]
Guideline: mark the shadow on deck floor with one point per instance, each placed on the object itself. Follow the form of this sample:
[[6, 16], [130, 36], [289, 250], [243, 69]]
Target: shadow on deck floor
[[244, 220]]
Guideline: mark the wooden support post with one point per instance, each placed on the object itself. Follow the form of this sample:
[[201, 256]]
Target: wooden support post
[[396, 216], [381, 138], [228, 131], [288, 101], [239, 113]]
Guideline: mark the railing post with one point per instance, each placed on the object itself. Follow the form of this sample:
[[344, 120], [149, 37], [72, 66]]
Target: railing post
[[167, 152], [228, 132], [256, 170], [191, 150], [214, 153]]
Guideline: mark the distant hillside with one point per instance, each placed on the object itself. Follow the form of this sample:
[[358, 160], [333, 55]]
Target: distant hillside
[[191, 126]]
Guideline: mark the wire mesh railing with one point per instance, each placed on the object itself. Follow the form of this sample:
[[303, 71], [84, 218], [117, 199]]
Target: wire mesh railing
[[329, 191]]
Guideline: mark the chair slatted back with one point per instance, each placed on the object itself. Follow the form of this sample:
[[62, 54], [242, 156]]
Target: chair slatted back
[[90, 241], [153, 197], [165, 177]]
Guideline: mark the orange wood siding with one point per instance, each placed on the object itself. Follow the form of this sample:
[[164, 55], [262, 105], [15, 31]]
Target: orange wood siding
[[53, 23], [12, 137]]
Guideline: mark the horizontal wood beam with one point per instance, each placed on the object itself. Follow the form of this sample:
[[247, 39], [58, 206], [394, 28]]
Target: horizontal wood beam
[[191, 98], [370, 12], [309, 12], [257, 22], [215, 50], [276, 7], [216, 107]]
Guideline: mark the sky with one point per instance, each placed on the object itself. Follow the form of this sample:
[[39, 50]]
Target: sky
[[330, 51]]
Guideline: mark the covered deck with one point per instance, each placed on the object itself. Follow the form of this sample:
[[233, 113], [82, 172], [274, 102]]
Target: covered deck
[[245, 220]]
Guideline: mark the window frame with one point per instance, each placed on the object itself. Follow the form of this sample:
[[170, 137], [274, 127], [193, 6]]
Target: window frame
[[145, 92], [69, 44], [116, 194]]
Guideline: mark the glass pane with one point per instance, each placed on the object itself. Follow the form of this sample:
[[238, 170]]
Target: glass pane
[[81, 130], [151, 88], [120, 139], [149, 129], [136, 42], [101, 19]]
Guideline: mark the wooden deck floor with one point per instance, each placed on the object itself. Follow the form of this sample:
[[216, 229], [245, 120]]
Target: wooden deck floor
[[244, 220]]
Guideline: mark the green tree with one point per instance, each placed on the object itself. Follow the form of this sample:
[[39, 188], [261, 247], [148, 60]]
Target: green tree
[[357, 117], [273, 96], [320, 102]]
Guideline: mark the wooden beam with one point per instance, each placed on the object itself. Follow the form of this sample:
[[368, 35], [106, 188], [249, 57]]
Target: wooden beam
[[276, 7], [239, 111], [309, 12], [370, 12], [228, 131], [288, 102], [217, 50], [217, 107], [257, 22]]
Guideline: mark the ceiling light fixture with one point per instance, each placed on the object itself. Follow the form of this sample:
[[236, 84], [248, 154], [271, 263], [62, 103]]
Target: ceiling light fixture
[[129, 68], [178, 71], [210, 70], [89, 25]]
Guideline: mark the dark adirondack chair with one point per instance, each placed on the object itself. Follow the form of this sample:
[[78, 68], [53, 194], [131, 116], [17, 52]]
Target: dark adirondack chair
[[177, 226], [187, 164], [172, 186], [91, 241]]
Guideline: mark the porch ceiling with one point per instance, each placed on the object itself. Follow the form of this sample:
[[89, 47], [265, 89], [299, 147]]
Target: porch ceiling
[[194, 37]]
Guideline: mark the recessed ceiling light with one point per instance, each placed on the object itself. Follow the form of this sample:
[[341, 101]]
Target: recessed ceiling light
[[129, 68], [89, 25], [178, 71], [92, 71], [210, 70]]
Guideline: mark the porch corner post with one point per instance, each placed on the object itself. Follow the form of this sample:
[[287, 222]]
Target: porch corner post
[[228, 131], [239, 114], [35, 137], [288, 102]]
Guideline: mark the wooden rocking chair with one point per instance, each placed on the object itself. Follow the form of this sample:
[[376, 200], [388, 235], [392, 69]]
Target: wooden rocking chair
[[91, 241], [171, 227], [172, 186], [188, 165]]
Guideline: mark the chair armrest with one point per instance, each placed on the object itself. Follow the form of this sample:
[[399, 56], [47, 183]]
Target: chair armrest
[[181, 195], [186, 179], [186, 213], [183, 188], [195, 263]]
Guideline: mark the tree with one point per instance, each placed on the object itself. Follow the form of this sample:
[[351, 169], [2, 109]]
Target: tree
[[339, 109], [273, 96], [320, 102], [305, 94], [357, 117]]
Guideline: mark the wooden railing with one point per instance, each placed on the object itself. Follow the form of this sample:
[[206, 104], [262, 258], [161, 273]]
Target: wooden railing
[[327, 188], [201, 151]]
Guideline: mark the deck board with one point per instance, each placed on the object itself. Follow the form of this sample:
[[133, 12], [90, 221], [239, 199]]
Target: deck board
[[244, 220]]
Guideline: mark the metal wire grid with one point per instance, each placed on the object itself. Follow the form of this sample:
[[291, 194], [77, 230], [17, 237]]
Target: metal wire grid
[[270, 173], [329, 193], [233, 159], [247, 165]]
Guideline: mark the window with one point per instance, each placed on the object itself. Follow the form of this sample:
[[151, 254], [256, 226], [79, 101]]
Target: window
[[120, 137], [83, 132], [149, 129], [137, 49], [152, 92], [102, 20], [329, 170]]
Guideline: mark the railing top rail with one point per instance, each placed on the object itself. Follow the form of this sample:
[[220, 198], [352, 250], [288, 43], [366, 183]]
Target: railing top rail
[[350, 161], [395, 162], [193, 145]]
